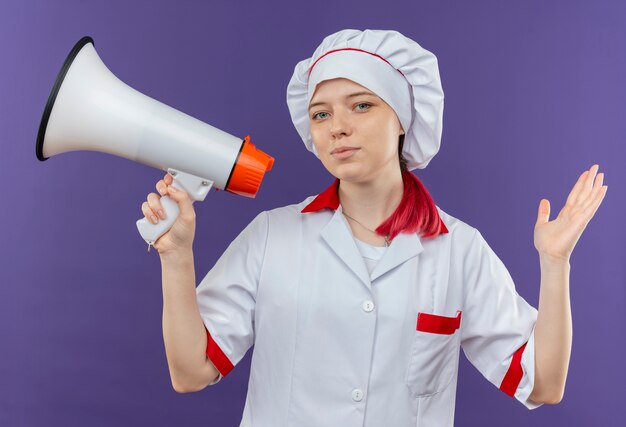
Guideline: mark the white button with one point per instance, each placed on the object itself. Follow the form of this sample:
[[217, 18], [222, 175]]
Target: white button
[[368, 306], [357, 394]]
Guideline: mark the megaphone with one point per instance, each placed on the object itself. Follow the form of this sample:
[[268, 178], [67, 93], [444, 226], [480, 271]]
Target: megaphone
[[89, 108]]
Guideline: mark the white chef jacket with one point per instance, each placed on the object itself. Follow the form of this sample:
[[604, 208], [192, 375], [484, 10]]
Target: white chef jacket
[[335, 345], [371, 254]]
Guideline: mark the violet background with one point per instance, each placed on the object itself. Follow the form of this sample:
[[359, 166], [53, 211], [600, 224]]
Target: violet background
[[534, 96]]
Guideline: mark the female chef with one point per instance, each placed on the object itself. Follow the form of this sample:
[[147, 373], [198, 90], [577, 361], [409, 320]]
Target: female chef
[[359, 299]]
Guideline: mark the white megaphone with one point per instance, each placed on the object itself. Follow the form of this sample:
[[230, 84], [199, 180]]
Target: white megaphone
[[91, 109]]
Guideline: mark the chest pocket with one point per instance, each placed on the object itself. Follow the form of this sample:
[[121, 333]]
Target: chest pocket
[[434, 354]]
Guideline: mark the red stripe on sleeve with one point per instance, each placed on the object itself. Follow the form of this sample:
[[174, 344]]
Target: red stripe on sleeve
[[217, 356], [514, 374]]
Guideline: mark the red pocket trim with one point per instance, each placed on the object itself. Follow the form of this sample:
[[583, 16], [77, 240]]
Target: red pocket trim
[[435, 324]]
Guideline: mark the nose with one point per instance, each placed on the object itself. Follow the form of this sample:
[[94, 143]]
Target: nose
[[340, 124]]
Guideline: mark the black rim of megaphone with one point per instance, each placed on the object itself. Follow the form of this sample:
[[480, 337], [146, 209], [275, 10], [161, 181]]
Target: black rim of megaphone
[[53, 94]]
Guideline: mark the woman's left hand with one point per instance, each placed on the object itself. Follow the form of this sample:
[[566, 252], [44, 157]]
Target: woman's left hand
[[556, 239]]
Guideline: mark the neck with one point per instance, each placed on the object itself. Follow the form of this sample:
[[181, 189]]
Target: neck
[[372, 202]]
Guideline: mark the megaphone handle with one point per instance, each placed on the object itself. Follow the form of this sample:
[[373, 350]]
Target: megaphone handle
[[151, 232], [197, 189]]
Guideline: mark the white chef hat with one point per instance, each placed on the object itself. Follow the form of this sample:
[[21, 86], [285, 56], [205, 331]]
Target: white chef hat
[[394, 67]]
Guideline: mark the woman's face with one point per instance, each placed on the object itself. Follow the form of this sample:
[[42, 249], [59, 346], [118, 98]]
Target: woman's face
[[346, 115]]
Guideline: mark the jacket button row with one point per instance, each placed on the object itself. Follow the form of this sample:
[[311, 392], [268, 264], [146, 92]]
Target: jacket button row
[[368, 306], [357, 394]]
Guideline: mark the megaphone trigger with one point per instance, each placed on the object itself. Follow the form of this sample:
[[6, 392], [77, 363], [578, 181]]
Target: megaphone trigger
[[195, 186]]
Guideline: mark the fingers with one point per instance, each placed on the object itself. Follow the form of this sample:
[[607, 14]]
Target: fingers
[[594, 204], [583, 187], [597, 193], [161, 187], [599, 180], [587, 185], [148, 213], [152, 209], [591, 176], [573, 195], [155, 204]]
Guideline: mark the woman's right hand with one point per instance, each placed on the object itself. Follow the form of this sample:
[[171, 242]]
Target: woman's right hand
[[180, 236]]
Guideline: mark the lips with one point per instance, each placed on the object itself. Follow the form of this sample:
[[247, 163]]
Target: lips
[[342, 149], [344, 152]]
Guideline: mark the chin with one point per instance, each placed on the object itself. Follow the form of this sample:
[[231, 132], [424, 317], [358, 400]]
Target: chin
[[349, 173]]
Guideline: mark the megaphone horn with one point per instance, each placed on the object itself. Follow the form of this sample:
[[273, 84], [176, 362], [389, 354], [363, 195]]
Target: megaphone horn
[[89, 108]]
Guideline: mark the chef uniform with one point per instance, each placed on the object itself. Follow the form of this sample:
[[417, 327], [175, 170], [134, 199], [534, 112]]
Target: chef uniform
[[347, 334]]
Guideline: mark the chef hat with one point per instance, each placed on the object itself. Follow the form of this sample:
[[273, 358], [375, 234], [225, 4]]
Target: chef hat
[[394, 67]]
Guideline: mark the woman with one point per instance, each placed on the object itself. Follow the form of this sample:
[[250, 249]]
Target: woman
[[363, 295]]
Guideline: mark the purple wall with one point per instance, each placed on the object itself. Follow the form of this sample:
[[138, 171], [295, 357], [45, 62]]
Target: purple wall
[[534, 96]]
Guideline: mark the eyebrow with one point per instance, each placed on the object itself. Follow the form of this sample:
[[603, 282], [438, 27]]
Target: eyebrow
[[352, 95]]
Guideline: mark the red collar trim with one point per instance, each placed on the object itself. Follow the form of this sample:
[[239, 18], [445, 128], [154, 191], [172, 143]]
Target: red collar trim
[[329, 199]]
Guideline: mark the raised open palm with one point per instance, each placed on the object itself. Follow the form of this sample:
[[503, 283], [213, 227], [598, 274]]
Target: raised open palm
[[558, 237]]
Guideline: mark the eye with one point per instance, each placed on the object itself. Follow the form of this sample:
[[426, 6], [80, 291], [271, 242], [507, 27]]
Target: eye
[[317, 114], [365, 104]]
